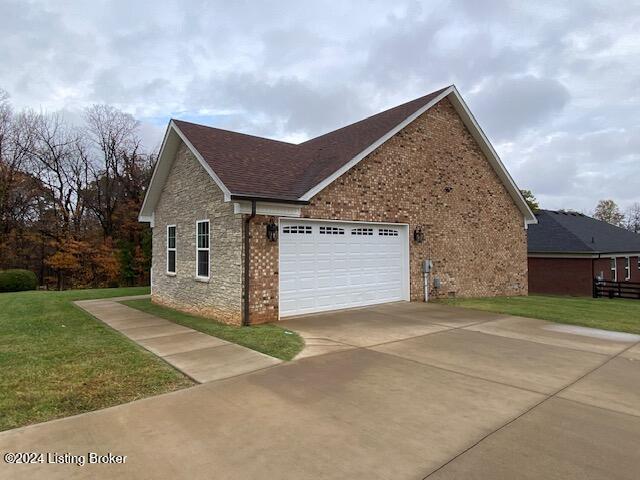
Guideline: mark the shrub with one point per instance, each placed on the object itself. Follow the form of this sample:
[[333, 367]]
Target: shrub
[[17, 280]]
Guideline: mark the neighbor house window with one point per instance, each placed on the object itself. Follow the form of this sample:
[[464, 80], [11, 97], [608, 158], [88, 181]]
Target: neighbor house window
[[614, 270], [627, 268], [202, 249], [171, 249]]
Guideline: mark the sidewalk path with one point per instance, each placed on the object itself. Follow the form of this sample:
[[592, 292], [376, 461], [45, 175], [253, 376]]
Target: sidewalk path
[[200, 356]]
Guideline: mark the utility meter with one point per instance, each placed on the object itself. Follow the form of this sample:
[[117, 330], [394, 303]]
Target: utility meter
[[427, 265]]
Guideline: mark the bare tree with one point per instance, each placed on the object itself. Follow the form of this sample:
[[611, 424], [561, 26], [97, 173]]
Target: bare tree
[[113, 135], [17, 188], [51, 148], [633, 217]]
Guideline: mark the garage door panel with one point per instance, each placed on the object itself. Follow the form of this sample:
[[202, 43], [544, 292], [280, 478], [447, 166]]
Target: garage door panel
[[340, 265]]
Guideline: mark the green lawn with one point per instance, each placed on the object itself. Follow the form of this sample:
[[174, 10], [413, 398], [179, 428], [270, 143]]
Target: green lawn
[[269, 339], [609, 314], [56, 360]]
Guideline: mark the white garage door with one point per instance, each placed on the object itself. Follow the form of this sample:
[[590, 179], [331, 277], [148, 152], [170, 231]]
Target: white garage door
[[329, 266]]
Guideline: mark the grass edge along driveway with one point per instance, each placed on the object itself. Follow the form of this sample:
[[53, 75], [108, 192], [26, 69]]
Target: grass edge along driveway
[[57, 360], [621, 315], [269, 339]]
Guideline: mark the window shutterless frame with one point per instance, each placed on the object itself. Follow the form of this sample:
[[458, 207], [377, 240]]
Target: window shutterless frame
[[203, 250], [171, 249], [627, 268], [614, 269]]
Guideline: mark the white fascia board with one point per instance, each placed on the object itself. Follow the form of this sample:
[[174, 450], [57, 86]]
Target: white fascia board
[[267, 208], [152, 193], [358, 158], [562, 255], [150, 219], [486, 147], [205, 165], [583, 255], [473, 126], [167, 154], [329, 220]]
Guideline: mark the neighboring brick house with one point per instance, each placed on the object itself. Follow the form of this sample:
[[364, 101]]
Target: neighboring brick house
[[567, 250], [343, 220]]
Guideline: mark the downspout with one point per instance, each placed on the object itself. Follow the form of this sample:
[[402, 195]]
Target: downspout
[[247, 222]]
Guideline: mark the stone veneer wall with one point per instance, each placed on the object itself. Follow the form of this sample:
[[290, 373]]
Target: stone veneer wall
[[190, 194], [474, 234]]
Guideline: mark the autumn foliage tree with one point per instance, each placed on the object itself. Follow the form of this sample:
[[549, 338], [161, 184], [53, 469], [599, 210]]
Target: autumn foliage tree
[[69, 197], [608, 211]]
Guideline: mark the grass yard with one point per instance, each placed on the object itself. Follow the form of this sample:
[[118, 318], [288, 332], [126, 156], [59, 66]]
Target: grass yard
[[608, 314], [56, 360], [269, 339]]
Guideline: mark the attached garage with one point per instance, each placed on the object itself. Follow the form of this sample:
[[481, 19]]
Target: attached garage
[[329, 265], [352, 209]]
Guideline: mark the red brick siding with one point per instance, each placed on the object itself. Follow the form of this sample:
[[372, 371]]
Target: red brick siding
[[263, 273], [574, 276], [635, 269], [561, 276], [474, 233], [604, 265]]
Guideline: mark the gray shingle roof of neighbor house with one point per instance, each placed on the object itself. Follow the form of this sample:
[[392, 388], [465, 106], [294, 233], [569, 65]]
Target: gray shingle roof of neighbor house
[[246, 166], [572, 232]]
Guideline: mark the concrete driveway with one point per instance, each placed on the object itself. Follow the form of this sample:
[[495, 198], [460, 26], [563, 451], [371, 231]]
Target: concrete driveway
[[396, 391]]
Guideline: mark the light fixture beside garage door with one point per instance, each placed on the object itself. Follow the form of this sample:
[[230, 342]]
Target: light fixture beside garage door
[[272, 230], [418, 234]]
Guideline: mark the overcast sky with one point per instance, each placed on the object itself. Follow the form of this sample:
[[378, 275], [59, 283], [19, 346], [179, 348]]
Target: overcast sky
[[556, 89]]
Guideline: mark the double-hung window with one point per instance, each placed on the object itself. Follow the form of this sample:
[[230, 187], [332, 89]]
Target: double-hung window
[[614, 269], [171, 249], [627, 268], [202, 249]]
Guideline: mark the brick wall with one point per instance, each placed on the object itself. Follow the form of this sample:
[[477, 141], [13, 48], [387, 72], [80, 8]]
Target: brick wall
[[561, 276], [474, 232], [190, 194], [604, 265]]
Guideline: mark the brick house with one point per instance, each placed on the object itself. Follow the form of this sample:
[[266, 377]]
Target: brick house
[[343, 220], [567, 250]]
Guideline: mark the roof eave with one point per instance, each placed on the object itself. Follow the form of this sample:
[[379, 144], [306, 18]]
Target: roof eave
[[262, 198], [172, 138], [475, 130]]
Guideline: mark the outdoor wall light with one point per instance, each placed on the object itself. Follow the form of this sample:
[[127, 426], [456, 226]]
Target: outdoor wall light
[[418, 235], [272, 230]]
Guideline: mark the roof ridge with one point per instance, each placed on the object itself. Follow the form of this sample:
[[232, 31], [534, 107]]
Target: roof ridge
[[427, 98], [234, 132]]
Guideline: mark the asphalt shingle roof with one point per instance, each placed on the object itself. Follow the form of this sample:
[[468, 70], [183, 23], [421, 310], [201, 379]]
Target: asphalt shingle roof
[[256, 166], [571, 232]]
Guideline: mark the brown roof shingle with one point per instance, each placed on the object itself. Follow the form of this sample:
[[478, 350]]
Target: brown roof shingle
[[261, 167]]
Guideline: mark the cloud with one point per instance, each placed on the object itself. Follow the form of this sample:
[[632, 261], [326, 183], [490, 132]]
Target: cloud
[[506, 106], [556, 87]]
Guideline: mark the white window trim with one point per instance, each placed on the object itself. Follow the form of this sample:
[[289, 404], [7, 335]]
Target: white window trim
[[208, 249], [174, 249], [627, 268], [614, 269]]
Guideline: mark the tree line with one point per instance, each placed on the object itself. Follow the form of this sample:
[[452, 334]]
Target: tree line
[[70, 196]]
